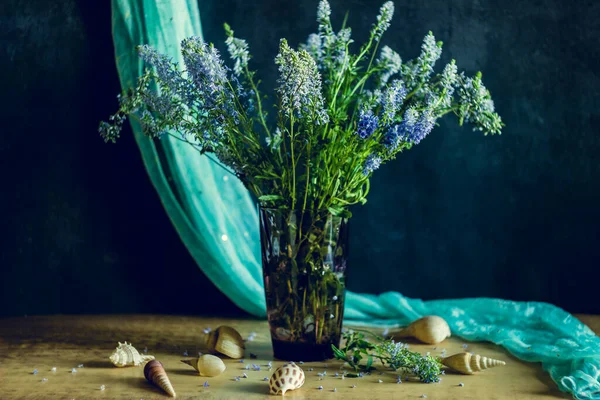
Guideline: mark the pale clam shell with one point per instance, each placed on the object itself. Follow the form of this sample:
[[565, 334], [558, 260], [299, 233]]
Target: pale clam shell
[[207, 365]]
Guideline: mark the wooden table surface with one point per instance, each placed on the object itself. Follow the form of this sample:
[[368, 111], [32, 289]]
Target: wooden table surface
[[64, 342]]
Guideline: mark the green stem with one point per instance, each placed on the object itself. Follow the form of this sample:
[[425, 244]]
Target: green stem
[[292, 139], [258, 101]]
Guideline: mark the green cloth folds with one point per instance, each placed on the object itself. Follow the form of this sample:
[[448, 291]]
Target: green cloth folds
[[218, 222]]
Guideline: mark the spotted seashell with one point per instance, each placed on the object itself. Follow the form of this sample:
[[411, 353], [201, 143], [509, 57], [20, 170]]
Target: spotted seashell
[[127, 355], [287, 377]]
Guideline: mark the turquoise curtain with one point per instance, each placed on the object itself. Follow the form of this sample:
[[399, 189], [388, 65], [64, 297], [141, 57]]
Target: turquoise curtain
[[218, 222]]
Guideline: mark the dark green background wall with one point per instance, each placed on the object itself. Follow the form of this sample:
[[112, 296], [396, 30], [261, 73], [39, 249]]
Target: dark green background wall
[[516, 216]]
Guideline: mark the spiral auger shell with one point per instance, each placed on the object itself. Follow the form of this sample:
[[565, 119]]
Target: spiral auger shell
[[468, 363], [155, 373]]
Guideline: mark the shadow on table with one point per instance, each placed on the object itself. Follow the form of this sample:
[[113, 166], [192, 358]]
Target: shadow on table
[[188, 372], [258, 387], [553, 389], [99, 364], [138, 383]]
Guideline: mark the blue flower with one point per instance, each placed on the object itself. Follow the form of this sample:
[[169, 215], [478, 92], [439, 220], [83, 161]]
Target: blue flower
[[209, 74], [371, 164], [367, 124], [313, 46], [204, 64], [476, 105], [238, 51], [430, 53], [391, 138], [448, 81], [390, 62], [416, 72], [166, 69], [323, 12], [414, 127], [300, 85], [386, 12], [338, 51], [391, 100]]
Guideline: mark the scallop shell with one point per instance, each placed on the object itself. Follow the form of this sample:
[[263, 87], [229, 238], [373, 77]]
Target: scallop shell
[[430, 329], [155, 373], [126, 355], [468, 364], [207, 365], [287, 377], [227, 341]]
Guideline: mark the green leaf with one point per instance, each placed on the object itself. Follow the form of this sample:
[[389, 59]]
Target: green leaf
[[228, 30], [270, 197], [369, 362], [338, 353]]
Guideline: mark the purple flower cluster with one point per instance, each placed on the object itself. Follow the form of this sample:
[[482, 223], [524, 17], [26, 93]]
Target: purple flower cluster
[[238, 50], [204, 63], [323, 13], [414, 127], [167, 73], [337, 49], [386, 12], [391, 100], [313, 46], [367, 124], [371, 164], [209, 74], [165, 68], [390, 63], [391, 137], [300, 85]]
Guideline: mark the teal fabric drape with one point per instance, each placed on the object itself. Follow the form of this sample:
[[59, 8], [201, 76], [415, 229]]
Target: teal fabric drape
[[218, 223]]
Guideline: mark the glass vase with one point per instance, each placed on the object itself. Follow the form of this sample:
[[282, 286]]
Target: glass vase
[[304, 268]]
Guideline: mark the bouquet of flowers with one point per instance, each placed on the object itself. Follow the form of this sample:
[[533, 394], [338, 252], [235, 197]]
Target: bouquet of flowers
[[340, 114]]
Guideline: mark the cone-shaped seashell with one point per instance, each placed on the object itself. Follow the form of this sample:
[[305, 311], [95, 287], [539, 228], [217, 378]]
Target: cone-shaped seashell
[[155, 373], [468, 364], [207, 365], [287, 377], [127, 355], [227, 341], [431, 329]]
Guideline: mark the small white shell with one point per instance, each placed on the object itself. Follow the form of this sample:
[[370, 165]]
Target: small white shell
[[287, 377], [127, 355]]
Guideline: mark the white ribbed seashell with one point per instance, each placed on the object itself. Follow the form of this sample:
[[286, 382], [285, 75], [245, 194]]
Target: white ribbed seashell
[[287, 377], [467, 363], [126, 355]]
